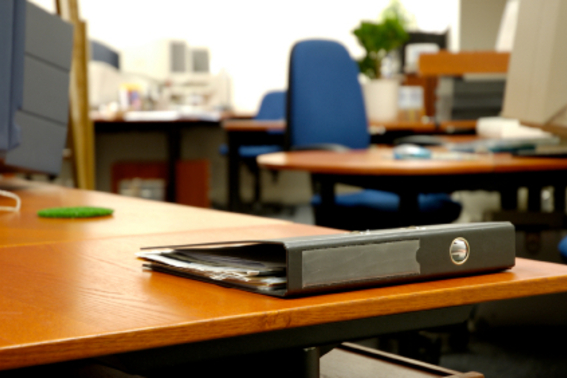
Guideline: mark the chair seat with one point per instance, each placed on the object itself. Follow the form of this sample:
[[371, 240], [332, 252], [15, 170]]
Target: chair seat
[[387, 202], [251, 152]]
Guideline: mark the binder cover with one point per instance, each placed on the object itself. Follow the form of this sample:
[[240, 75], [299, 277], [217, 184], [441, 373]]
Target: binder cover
[[316, 264]]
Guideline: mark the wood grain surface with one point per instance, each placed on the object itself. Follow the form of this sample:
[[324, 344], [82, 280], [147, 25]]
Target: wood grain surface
[[374, 126], [132, 216], [79, 299], [380, 161], [464, 62], [379, 127], [253, 125], [75, 289], [461, 124]]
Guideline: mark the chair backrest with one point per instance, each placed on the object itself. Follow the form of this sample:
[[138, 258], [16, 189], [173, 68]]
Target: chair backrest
[[272, 106], [325, 102]]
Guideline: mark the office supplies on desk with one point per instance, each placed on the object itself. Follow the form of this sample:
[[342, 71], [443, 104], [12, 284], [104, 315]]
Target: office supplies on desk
[[411, 151], [75, 212], [550, 151], [314, 264], [421, 140], [507, 128], [172, 115], [501, 145]]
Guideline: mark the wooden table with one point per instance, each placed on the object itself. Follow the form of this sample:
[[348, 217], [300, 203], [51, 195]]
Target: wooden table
[[463, 62], [132, 216], [375, 127], [172, 130], [266, 132], [68, 297], [376, 168]]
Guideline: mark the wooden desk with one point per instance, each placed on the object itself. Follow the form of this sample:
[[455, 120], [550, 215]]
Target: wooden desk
[[397, 127], [132, 216], [171, 128], [264, 132], [375, 127], [85, 299], [67, 298], [464, 62], [376, 168]]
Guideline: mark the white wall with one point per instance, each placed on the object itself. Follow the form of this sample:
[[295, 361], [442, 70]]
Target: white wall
[[251, 39]]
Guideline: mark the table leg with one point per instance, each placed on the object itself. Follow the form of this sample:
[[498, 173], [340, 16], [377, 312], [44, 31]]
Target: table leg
[[534, 198], [327, 192], [559, 198], [325, 188], [173, 156], [409, 207], [302, 362], [509, 198], [234, 202]]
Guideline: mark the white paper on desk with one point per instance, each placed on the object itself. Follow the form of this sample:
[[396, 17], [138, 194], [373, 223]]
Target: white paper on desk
[[203, 115], [260, 266], [265, 283], [195, 266], [152, 115], [454, 156], [248, 277]]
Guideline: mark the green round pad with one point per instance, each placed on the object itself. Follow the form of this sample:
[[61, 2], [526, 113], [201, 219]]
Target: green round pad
[[74, 212]]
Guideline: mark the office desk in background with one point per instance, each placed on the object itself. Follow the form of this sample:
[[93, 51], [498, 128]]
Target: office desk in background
[[171, 127], [73, 290], [132, 216], [377, 169], [260, 132]]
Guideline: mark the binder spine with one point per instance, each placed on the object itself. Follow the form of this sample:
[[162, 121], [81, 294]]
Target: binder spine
[[396, 256]]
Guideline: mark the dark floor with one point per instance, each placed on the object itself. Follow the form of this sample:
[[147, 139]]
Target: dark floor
[[518, 352]]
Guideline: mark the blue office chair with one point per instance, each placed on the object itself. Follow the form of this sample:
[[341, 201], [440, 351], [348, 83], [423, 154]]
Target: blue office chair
[[562, 247], [272, 107], [326, 110]]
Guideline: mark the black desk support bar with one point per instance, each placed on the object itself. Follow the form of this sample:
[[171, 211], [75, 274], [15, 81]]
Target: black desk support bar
[[283, 343]]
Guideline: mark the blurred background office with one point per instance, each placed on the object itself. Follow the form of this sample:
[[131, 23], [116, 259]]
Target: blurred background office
[[246, 47], [251, 39]]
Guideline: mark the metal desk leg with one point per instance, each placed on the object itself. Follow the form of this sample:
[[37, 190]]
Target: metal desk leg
[[534, 198], [559, 198], [173, 155], [326, 189], [509, 198], [302, 363], [409, 207], [234, 202]]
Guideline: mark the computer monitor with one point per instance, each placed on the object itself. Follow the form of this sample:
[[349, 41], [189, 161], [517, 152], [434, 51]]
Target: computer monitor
[[102, 53], [536, 88], [35, 64], [165, 60]]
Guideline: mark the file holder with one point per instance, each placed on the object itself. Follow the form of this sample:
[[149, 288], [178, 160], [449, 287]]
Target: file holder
[[324, 263]]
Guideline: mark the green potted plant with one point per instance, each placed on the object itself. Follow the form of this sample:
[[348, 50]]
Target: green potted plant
[[378, 40]]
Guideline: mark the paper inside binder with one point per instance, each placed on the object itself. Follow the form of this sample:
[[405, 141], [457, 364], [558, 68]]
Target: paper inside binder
[[257, 265]]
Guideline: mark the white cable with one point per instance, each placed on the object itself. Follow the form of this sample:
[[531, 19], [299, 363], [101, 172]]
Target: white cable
[[14, 197]]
